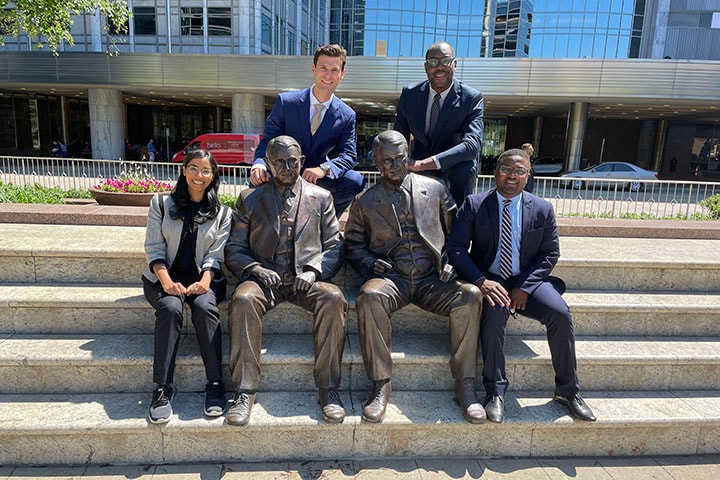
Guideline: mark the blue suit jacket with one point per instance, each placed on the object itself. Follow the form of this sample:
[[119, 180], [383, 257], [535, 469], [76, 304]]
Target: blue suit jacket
[[478, 221], [458, 135], [291, 116]]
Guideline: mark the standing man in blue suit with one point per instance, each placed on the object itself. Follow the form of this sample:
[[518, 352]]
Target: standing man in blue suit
[[445, 119], [323, 125], [515, 246]]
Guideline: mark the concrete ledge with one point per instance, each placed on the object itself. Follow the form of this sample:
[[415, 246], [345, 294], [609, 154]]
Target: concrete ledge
[[608, 227], [94, 214], [83, 214]]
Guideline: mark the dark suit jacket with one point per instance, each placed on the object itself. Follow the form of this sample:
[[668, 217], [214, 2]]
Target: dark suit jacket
[[255, 232], [478, 222], [291, 116], [458, 135], [372, 228]]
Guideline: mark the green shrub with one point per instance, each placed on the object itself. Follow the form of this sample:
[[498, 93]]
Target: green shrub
[[36, 193], [77, 193], [32, 193], [712, 204], [228, 199]]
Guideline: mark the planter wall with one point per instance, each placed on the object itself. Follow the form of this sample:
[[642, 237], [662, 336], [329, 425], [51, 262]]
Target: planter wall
[[122, 198]]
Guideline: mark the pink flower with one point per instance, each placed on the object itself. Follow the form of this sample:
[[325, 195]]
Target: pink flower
[[128, 185]]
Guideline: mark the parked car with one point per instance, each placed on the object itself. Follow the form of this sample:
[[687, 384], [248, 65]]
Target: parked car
[[227, 148], [608, 174], [548, 166]]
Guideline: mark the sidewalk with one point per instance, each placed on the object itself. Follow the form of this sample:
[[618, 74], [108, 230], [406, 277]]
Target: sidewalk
[[602, 468]]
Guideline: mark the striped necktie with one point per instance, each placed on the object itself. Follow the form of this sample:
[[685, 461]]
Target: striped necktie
[[506, 242]]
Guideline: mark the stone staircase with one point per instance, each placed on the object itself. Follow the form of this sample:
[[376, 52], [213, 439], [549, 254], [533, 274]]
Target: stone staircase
[[76, 356]]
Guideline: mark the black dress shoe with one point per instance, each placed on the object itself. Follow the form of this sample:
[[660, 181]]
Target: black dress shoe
[[495, 408], [465, 396], [374, 409], [577, 407], [239, 412], [333, 410]]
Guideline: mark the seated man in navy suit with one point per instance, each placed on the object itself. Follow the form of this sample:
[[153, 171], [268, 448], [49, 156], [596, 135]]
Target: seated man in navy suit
[[515, 246], [322, 124], [445, 118]]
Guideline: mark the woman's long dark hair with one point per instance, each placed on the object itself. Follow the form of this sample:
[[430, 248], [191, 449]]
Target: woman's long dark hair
[[210, 204]]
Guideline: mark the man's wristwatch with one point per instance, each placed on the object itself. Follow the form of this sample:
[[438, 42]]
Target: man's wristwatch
[[325, 167]]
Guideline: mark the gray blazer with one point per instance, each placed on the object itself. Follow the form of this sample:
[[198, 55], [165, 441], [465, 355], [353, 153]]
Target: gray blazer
[[162, 237]]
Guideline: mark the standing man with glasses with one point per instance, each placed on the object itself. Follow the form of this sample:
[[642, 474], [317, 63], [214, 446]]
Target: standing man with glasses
[[323, 125], [515, 246], [445, 118]]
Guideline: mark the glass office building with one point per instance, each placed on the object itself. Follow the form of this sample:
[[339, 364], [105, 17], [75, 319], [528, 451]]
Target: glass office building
[[547, 47], [491, 28], [272, 27], [406, 27]]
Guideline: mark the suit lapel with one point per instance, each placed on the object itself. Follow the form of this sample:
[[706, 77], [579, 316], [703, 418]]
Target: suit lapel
[[303, 118], [492, 205], [304, 210], [270, 208], [384, 208], [420, 198], [421, 100], [527, 211], [446, 111]]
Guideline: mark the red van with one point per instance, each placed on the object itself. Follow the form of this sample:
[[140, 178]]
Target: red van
[[227, 148]]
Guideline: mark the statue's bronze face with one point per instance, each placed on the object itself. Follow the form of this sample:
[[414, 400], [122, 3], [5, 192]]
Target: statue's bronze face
[[285, 164], [392, 162]]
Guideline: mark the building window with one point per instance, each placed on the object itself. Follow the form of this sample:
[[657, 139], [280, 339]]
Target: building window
[[219, 22], [292, 50], [191, 21], [280, 36], [144, 20], [266, 30]]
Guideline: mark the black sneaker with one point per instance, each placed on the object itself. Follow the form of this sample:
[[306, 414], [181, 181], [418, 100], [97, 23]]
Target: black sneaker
[[160, 407], [215, 400]]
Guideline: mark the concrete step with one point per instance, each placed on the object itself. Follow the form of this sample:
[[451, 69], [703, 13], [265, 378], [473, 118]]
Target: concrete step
[[74, 429], [36, 363], [104, 254], [72, 308]]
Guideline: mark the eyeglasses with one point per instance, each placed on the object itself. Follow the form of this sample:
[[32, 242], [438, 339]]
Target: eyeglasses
[[434, 62], [508, 170], [193, 170]]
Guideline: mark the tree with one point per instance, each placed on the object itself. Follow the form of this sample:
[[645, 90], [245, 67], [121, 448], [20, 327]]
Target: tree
[[52, 19]]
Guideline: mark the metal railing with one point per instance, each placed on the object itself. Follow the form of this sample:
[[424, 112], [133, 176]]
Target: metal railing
[[597, 198]]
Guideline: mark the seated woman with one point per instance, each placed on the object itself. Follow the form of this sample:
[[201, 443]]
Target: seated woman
[[184, 243]]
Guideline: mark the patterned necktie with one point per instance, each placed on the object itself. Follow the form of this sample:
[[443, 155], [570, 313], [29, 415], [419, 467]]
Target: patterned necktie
[[506, 242], [434, 114], [317, 118]]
